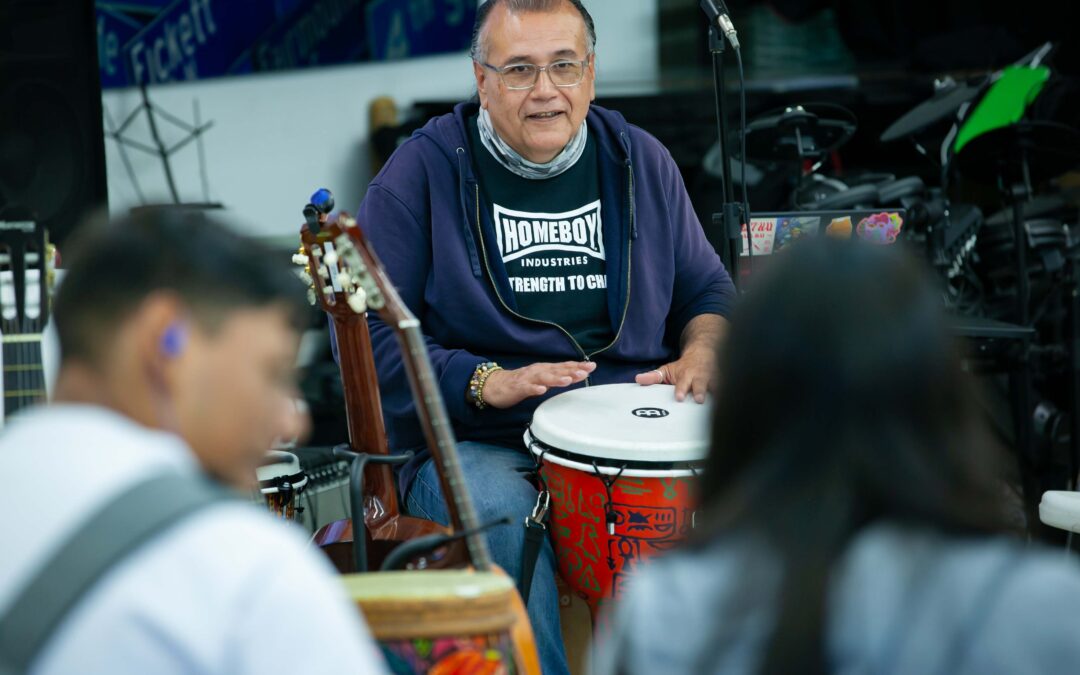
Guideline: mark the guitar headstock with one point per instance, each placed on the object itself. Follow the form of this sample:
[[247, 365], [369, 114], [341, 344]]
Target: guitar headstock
[[26, 276], [339, 277]]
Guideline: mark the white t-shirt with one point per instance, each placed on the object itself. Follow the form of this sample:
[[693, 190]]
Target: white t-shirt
[[226, 590]]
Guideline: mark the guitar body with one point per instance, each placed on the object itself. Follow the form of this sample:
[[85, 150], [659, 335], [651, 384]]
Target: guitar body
[[386, 526], [336, 539]]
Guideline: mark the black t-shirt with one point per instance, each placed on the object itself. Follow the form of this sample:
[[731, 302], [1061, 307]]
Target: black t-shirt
[[550, 235]]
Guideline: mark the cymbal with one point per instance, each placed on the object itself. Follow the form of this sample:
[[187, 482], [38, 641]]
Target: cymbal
[[1050, 149], [815, 128], [942, 105]]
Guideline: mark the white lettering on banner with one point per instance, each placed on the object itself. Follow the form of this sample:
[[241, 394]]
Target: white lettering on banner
[[108, 47], [173, 53], [299, 44], [521, 233]]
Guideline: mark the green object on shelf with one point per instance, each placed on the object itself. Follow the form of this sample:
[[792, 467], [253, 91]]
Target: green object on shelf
[[1005, 102]]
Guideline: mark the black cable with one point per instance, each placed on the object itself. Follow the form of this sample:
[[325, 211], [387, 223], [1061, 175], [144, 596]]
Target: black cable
[[742, 133], [399, 558]]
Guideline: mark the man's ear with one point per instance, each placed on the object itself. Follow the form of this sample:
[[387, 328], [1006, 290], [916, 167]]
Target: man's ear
[[162, 327], [592, 77], [481, 75]]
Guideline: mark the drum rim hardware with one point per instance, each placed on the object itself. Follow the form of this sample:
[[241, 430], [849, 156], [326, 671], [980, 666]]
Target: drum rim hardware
[[628, 468], [609, 481]]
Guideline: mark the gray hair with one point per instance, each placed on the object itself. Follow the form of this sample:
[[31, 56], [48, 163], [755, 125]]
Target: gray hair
[[478, 52]]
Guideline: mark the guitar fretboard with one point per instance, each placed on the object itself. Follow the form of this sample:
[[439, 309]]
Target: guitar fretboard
[[444, 447], [24, 376]]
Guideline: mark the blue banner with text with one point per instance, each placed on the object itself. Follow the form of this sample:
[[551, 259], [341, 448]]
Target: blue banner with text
[[158, 41]]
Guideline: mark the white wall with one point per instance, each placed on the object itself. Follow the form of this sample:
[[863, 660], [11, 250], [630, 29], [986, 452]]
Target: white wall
[[277, 137]]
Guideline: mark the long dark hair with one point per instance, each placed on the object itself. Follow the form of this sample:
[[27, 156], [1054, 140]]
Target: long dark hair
[[841, 402]]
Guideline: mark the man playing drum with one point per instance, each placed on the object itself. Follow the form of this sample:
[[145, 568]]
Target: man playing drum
[[544, 243]]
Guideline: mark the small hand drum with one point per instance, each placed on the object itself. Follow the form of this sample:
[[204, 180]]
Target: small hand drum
[[619, 461], [446, 621]]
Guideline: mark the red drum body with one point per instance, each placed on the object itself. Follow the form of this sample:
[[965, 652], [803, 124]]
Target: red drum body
[[620, 463]]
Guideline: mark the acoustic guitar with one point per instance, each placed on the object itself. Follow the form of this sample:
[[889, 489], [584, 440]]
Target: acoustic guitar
[[386, 526], [343, 266]]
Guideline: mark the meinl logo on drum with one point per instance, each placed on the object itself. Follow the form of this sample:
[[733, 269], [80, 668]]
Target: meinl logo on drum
[[650, 413]]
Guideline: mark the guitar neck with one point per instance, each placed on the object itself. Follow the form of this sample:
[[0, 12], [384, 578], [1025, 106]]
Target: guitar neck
[[363, 410], [361, 385], [24, 377], [440, 439]]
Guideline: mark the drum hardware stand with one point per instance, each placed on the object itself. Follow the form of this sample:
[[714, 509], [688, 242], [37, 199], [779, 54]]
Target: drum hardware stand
[[194, 132], [360, 460], [729, 220], [1072, 296], [1022, 380]]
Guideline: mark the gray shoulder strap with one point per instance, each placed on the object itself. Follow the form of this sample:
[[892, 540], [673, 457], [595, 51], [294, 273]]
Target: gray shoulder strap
[[115, 531]]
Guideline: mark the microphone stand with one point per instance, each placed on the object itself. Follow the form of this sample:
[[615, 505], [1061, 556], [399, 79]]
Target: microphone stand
[[730, 217]]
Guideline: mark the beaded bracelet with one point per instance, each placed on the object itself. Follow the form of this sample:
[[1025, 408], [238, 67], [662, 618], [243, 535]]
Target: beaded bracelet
[[479, 378]]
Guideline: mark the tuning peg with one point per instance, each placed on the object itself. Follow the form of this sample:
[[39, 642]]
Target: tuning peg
[[376, 300], [311, 296], [327, 291], [331, 258], [300, 259], [311, 217], [324, 272], [345, 280], [358, 301]]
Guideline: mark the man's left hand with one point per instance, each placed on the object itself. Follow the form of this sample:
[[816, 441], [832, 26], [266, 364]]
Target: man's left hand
[[695, 370]]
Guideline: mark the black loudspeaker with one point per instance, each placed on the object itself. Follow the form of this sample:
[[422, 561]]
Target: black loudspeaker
[[52, 148]]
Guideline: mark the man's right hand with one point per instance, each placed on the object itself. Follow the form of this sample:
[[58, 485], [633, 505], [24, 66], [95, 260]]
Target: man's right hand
[[506, 388]]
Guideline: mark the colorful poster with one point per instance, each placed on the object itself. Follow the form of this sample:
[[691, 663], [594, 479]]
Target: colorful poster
[[764, 230]]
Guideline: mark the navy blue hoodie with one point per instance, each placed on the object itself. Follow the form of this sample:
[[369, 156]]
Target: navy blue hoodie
[[424, 216]]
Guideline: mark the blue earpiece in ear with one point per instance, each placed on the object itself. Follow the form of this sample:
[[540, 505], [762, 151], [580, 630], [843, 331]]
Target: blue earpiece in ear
[[173, 340]]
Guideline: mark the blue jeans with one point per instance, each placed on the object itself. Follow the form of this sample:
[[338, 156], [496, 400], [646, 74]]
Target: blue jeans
[[498, 489]]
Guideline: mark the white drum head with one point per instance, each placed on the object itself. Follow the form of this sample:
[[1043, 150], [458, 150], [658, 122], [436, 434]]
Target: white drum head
[[625, 422]]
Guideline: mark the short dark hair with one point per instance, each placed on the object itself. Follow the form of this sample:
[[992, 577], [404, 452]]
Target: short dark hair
[[841, 403], [515, 6], [113, 266]]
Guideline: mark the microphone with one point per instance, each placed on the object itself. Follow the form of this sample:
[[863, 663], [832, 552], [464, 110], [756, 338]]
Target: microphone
[[717, 12]]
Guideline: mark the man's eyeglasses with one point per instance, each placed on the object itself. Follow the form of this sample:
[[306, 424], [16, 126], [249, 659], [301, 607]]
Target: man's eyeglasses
[[563, 73]]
